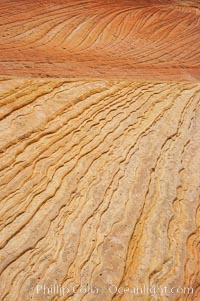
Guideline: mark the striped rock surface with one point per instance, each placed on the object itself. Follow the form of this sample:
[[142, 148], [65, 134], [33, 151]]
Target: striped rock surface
[[120, 39], [99, 186]]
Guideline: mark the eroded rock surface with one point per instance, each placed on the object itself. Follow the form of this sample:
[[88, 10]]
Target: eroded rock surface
[[99, 185]]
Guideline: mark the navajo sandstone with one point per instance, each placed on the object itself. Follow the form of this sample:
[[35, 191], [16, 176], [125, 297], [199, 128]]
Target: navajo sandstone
[[99, 165]]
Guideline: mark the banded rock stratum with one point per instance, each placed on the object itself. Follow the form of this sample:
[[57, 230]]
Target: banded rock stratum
[[99, 149], [154, 39]]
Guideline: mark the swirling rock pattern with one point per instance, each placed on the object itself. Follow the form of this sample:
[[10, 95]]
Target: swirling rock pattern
[[99, 150], [122, 39], [99, 184]]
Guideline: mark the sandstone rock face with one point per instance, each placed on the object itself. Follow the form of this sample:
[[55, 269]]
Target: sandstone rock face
[[106, 39], [99, 185], [99, 150]]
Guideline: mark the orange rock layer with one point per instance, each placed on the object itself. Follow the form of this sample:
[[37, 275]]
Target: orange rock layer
[[140, 39]]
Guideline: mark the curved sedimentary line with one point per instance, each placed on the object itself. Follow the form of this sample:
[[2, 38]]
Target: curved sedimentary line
[[113, 224]]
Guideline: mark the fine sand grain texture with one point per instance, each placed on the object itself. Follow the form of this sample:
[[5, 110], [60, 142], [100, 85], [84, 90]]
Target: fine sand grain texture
[[99, 184], [99, 150]]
